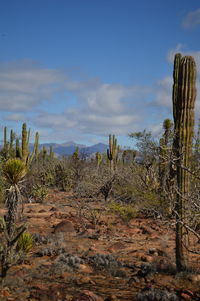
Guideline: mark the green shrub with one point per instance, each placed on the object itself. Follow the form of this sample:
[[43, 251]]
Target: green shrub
[[39, 192], [25, 242], [125, 212]]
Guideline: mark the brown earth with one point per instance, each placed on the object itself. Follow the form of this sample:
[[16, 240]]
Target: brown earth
[[64, 265]]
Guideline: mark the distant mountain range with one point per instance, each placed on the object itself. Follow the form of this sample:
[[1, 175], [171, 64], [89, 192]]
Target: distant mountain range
[[68, 148]]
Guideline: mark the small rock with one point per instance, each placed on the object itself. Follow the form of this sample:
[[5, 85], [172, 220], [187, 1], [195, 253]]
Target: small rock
[[117, 246], [85, 268], [86, 295], [64, 226], [194, 278], [147, 258], [84, 280], [41, 211], [53, 209], [6, 292]]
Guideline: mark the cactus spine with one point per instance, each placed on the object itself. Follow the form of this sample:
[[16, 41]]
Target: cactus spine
[[184, 95]]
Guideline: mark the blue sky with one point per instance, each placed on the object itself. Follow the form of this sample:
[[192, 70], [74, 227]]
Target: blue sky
[[81, 69]]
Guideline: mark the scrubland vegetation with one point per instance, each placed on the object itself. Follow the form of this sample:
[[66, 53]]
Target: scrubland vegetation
[[157, 180]]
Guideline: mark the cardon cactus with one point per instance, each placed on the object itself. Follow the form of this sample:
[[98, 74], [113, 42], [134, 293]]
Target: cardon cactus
[[164, 153], [112, 152], [25, 141], [184, 95]]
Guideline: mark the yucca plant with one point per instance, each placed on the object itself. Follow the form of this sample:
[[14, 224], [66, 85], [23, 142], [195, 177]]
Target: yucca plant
[[14, 171]]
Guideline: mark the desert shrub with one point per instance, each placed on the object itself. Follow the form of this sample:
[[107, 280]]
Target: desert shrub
[[25, 242], [155, 294], [105, 261], [94, 216], [39, 193], [50, 251], [66, 263], [63, 176], [124, 211]]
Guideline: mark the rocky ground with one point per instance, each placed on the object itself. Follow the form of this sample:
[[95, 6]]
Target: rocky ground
[[84, 252]]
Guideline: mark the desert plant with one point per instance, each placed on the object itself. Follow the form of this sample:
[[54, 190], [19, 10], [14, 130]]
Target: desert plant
[[112, 152], [25, 142], [39, 192], [9, 255], [25, 242], [125, 212], [14, 171], [184, 95]]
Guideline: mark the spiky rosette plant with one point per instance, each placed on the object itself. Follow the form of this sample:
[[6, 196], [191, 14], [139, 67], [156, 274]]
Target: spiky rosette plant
[[184, 95], [14, 171]]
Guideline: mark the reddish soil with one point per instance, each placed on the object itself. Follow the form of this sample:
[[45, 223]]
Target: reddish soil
[[141, 255]]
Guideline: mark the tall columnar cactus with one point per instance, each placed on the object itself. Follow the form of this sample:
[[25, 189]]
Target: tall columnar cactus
[[51, 153], [36, 145], [112, 152], [25, 140], [98, 158], [5, 145], [164, 152], [11, 145], [184, 95], [18, 151]]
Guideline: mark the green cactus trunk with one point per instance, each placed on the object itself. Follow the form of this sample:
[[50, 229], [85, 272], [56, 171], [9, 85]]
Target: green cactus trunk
[[164, 154], [51, 153], [184, 95], [25, 140], [18, 151], [112, 153], [98, 158], [5, 146], [36, 145]]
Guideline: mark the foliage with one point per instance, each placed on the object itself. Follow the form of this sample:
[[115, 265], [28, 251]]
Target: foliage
[[39, 192], [25, 242], [9, 255], [125, 212], [14, 171]]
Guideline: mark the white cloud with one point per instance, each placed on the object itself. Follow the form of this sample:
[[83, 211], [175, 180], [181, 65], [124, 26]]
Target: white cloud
[[25, 84], [163, 93], [99, 108], [192, 19]]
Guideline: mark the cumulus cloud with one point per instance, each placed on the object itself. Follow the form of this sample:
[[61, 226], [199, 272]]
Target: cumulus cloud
[[192, 19], [32, 93], [25, 84], [102, 109]]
